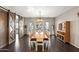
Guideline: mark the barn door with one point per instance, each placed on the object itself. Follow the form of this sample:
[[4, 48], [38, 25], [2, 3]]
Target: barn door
[[12, 18], [3, 29]]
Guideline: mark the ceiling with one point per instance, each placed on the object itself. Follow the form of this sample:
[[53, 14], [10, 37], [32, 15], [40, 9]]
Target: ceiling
[[37, 11]]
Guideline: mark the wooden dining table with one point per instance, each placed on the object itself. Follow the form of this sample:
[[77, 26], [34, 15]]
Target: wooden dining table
[[38, 38], [39, 35]]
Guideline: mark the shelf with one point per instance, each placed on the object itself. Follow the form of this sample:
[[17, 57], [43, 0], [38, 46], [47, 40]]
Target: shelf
[[60, 34], [64, 35]]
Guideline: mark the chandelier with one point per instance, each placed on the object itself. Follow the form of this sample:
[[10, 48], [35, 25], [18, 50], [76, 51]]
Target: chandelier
[[39, 20]]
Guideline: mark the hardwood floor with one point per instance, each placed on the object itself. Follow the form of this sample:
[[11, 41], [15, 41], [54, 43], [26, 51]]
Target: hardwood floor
[[59, 46], [56, 46]]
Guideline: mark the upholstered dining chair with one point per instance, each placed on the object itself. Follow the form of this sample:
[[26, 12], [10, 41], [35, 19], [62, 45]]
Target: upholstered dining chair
[[33, 43], [46, 43]]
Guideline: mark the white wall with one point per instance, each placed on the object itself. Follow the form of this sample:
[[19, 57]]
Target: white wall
[[28, 20], [71, 16]]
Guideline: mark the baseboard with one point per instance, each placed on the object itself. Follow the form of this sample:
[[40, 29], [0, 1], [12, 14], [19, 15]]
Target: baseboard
[[74, 45], [6, 44], [3, 46]]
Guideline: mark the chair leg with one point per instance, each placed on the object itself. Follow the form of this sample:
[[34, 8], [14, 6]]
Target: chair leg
[[43, 47], [36, 47]]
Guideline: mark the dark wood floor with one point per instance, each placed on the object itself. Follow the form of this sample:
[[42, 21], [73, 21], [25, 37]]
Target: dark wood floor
[[56, 46]]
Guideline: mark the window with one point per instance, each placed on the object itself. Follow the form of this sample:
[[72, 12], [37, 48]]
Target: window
[[39, 26], [31, 27], [47, 26]]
